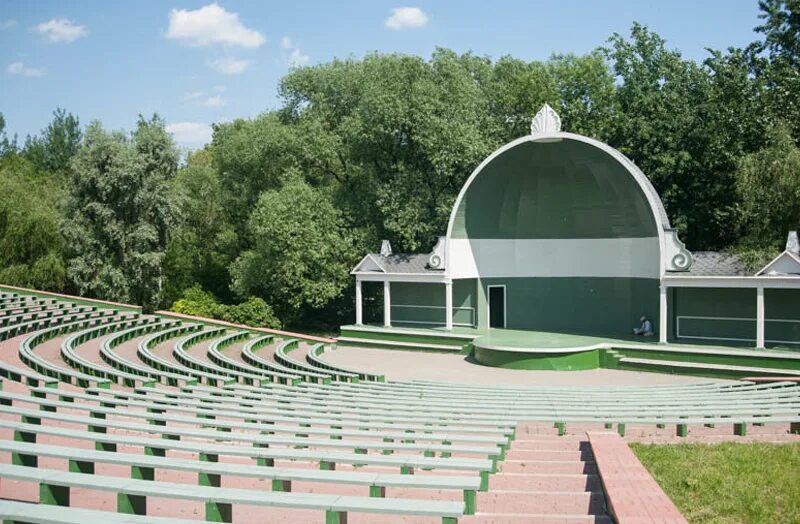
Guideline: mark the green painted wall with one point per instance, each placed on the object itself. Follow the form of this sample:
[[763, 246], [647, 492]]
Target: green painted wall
[[714, 302], [576, 304], [782, 304], [427, 303], [566, 189]]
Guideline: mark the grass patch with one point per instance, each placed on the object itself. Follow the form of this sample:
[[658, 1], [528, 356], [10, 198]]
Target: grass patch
[[728, 483]]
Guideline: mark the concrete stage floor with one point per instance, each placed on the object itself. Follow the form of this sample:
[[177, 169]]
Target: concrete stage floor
[[450, 367]]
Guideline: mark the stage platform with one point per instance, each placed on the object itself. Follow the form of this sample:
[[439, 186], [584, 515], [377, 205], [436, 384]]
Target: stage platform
[[541, 350]]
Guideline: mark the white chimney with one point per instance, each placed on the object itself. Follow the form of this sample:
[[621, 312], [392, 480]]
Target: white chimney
[[386, 248], [792, 244]]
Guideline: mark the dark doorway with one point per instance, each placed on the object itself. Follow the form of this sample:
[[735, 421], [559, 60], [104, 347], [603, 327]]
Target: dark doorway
[[497, 306]]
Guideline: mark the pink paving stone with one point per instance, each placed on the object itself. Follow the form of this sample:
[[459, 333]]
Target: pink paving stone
[[544, 482], [632, 495], [530, 519], [90, 350], [529, 466], [538, 454], [542, 503]]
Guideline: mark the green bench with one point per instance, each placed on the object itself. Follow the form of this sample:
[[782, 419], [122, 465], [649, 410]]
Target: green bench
[[210, 473], [146, 374], [314, 357], [175, 370], [249, 355], [55, 486], [216, 355], [282, 357], [181, 354]]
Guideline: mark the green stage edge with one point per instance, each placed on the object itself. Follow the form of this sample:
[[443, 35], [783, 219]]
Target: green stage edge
[[542, 360], [583, 358]]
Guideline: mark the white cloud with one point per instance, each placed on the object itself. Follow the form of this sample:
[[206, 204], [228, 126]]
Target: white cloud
[[298, 59], [210, 25], [406, 18], [8, 24], [295, 57], [19, 68], [193, 95], [229, 66], [191, 135], [61, 30], [214, 101]]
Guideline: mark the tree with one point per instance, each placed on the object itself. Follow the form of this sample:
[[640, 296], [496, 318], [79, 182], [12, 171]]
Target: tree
[[781, 45], [31, 248], [301, 252], [768, 184], [53, 150], [252, 312], [203, 242], [119, 213], [7, 145]]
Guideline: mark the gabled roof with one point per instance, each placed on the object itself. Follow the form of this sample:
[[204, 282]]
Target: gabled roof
[[787, 263], [401, 263]]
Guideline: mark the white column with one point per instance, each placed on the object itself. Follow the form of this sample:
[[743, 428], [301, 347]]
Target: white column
[[359, 305], [662, 314], [760, 317], [448, 305], [387, 305]]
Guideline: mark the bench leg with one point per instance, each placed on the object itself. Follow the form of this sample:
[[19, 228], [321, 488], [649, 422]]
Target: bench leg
[[794, 427], [447, 454], [219, 512], [209, 479], [326, 465], [281, 485], [470, 502], [387, 451], [53, 495], [377, 492], [621, 429], [484, 481], [406, 470], [562, 428], [740, 429], [131, 504], [81, 466], [681, 430], [21, 459], [449, 520], [335, 517]]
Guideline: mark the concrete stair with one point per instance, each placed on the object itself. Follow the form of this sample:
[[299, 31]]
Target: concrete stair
[[544, 479]]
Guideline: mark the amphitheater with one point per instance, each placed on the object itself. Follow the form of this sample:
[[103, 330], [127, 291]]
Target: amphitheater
[[111, 415]]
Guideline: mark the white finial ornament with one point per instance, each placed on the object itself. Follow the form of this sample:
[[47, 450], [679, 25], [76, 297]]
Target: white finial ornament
[[546, 121]]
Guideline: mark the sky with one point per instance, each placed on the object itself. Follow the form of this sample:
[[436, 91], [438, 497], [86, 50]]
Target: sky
[[195, 63]]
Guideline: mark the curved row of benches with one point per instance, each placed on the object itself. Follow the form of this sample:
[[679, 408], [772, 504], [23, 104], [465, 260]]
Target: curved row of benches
[[271, 407]]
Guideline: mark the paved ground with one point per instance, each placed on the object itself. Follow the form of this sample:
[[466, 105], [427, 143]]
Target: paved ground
[[445, 367]]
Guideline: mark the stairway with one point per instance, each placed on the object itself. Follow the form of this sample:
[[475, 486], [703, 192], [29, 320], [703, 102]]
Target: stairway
[[544, 479]]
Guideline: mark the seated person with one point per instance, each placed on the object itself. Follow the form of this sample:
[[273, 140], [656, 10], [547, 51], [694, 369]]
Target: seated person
[[646, 329]]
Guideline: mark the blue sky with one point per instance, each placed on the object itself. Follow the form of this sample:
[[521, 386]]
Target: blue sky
[[196, 63]]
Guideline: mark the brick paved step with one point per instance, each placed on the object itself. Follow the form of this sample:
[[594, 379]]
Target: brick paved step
[[544, 482], [542, 503], [564, 443], [547, 454], [547, 466], [527, 518]]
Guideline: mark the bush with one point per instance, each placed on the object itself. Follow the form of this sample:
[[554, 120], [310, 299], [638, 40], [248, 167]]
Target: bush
[[252, 312]]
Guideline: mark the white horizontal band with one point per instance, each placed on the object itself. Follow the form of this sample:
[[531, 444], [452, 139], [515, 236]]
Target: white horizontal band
[[572, 257]]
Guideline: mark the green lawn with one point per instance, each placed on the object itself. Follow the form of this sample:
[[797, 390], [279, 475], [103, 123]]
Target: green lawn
[[728, 483]]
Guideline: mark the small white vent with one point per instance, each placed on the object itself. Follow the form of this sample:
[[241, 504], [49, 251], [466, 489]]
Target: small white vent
[[386, 248]]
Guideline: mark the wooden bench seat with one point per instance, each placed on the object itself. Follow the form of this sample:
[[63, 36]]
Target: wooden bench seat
[[267, 455], [314, 357], [249, 355], [182, 355], [12, 512], [55, 489], [83, 460], [216, 355], [282, 357]]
